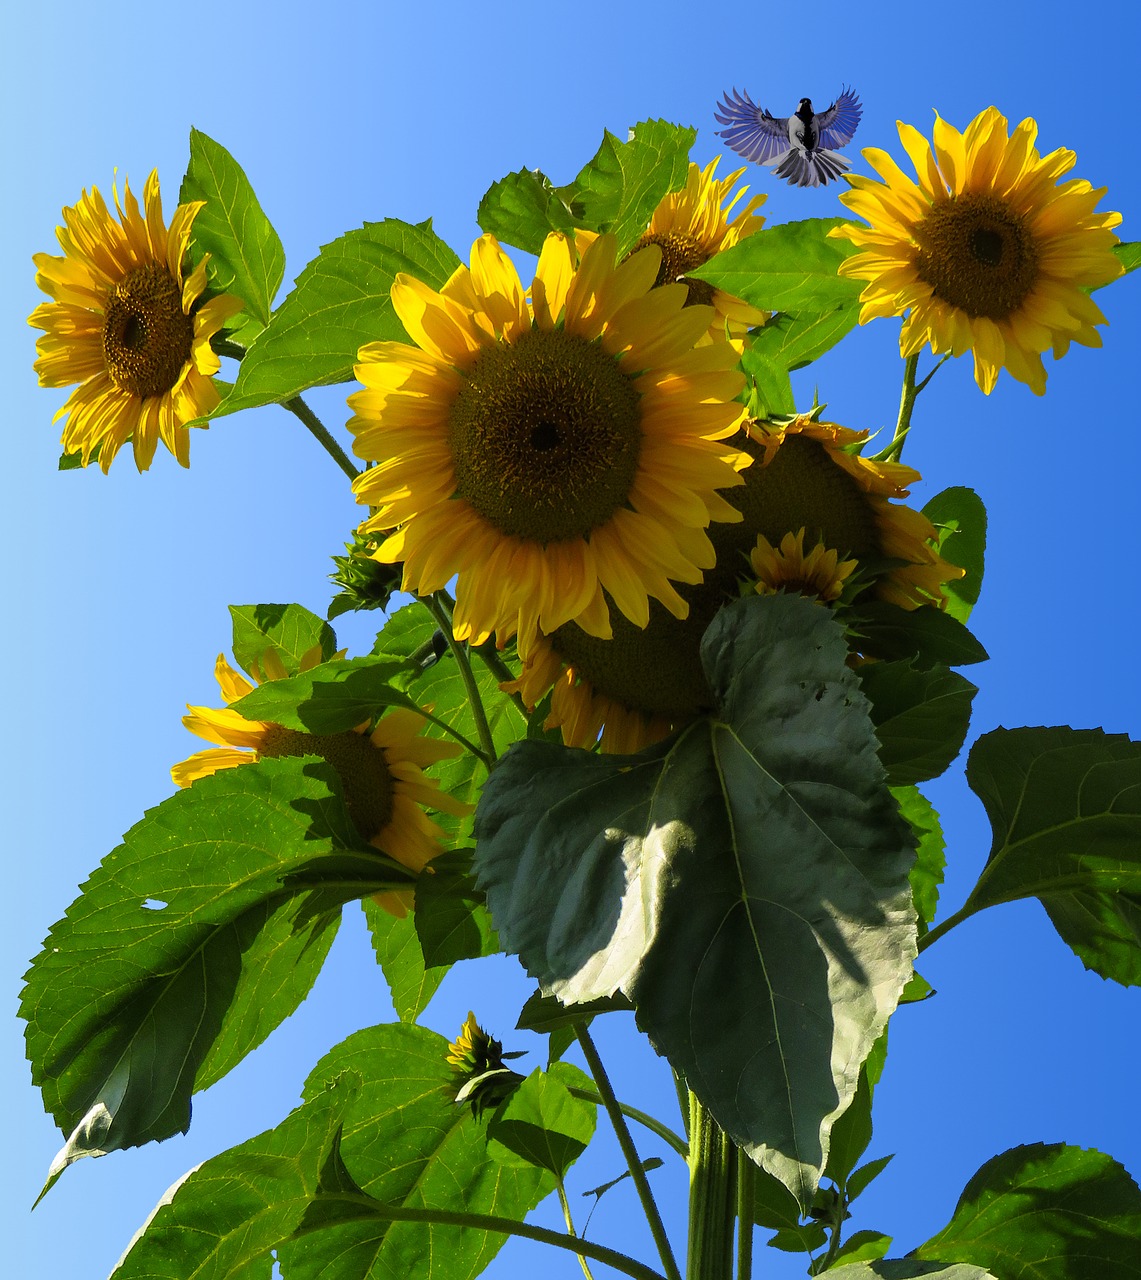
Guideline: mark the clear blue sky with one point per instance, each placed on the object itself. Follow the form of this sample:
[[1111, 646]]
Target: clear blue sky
[[116, 587]]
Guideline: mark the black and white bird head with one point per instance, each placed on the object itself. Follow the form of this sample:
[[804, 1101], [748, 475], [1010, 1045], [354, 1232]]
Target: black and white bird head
[[803, 147]]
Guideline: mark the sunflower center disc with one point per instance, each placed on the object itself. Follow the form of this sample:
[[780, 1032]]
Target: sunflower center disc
[[361, 767], [545, 435], [977, 254], [681, 253], [147, 338]]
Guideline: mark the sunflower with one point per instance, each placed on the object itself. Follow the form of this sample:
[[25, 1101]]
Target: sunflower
[[127, 326], [806, 485], [545, 449], [691, 226], [381, 770], [985, 252]]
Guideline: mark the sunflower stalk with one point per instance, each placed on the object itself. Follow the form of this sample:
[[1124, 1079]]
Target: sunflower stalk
[[569, 1220], [746, 1174], [907, 398], [438, 605], [324, 437], [712, 1197], [663, 1131], [629, 1151]]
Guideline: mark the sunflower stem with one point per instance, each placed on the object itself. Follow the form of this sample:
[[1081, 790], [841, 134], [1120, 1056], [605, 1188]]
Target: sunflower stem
[[746, 1173], [301, 410], [437, 606], [565, 1203], [489, 656], [633, 1162], [663, 1131], [682, 1101], [906, 404], [712, 1196], [944, 926]]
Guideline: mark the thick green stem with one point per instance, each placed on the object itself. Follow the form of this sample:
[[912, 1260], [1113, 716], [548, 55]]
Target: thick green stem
[[712, 1197], [565, 1203], [682, 1101], [944, 926], [301, 410], [629, 1151], [439, 610], [907, 397], [746, 1174], [654, 1125]]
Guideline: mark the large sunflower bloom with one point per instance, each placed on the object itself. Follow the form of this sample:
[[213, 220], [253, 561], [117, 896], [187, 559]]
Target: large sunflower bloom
[[985, 252], [805, 489], [544, 449], [126, 325], [381, 770], [691, 226]]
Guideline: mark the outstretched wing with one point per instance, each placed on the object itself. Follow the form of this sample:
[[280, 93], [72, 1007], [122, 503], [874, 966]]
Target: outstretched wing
[[752, 132], [838, 122]]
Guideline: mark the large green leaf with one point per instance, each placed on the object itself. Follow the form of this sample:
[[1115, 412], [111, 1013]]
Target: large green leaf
[[1044, 1212], [340, 302], [931, 855], [246, 257], [908, 1269], [921, 717], [523, 208], [959, 518], [189, 944], [790, 267], [290, 630], [795, 341], [744, 883], [412, 982], [929, 635], [407, 1144], [451, 918], [621, 187], [1065, 810], [770, 391], [330, 698], [221, 1221], [542, 1123]]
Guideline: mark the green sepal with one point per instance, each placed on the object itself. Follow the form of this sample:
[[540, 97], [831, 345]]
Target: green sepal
[[246, 256], [1129, 255], [290, 630]]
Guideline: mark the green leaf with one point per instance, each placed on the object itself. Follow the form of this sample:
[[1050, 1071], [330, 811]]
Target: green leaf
[[860, 1179], [744, 883], [404, 633], [959, 517], [223, 1219], [1046, 1212], [921, 717], [290, 630], [791, 268], [451, 918], [864, 1246], [621, 187], [246, 257], [908, 1269], [542, 1123], [190, 943], [330, 698], [771, 391], [1065, 810], [340, 302], [407, 1145], [545, 1013], [793, 341], [523, 208], [929, 635], [411, 981], [931, 859], [851, 1134], [1130, 255]]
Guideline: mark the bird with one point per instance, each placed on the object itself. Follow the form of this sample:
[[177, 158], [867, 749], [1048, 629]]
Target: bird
[[800, 147]]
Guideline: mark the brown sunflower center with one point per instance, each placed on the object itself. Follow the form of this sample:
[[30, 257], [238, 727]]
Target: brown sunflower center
[[147, 338], [978, 254], [361, 767], [545, 435], [658, 670], [681, 253]]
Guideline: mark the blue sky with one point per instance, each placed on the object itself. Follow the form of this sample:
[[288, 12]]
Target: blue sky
[[118, 586]]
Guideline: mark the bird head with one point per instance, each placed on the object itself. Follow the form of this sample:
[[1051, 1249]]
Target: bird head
[[804, 111]]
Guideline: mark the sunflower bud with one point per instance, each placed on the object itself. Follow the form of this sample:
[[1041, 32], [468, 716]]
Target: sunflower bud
[[478, 1059], [365, 583]]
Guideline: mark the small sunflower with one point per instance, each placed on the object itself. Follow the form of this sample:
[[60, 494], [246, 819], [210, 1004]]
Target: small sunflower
[[986, 252], [381, 770], [806, 485], [546, 448], [128, 327], [691, 226]]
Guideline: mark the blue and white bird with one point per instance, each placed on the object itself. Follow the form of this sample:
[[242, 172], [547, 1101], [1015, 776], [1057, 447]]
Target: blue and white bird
[[801, 147]]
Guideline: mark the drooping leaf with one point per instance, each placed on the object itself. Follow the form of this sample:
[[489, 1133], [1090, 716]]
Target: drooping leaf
[[1065, 810], [223, 1219], [921, 717], [405, 633], [770, 392], [246, 257], [542, 1123], [928, 635], [330, 698], [407, 1144], [523, 208], [1130, 255], [621, 187], [931, 855], [851, 1133], [546, 1013], [789, 268], [340, 302], [959, 517], [190, 943], [411, 981], [691, 878], [793, 341], [863, 1246], [908, 1269], [1046, 1212], [290, 630]]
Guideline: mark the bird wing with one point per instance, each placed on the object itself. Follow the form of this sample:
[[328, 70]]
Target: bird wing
[[752, 132], [837, 123]]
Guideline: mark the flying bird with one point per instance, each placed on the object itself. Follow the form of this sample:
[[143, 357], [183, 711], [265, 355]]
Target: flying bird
[[800, 147]]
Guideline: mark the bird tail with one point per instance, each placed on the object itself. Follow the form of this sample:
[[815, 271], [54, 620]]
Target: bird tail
[[811, 169]]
